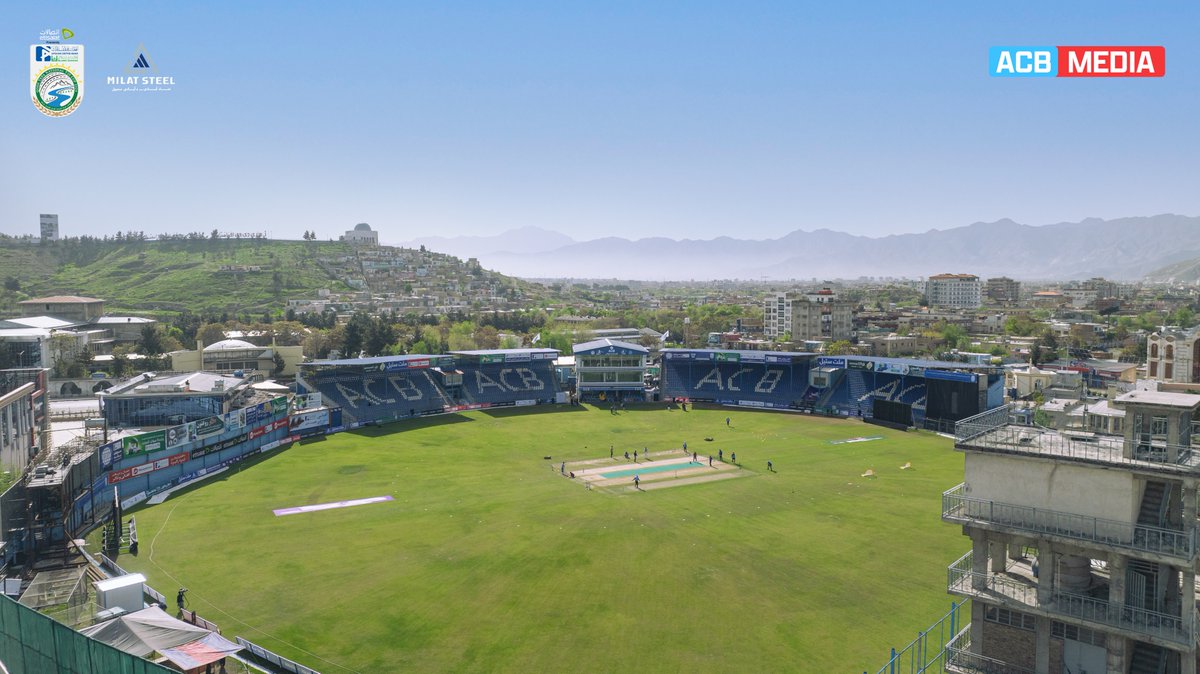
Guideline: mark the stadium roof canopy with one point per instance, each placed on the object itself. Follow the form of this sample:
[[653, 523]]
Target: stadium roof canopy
[[765, 353], [498, 352], [914, 362], [607, 346], [371, 360]]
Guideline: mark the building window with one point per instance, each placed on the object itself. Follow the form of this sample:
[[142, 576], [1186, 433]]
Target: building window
[[1003, 616], [1168, 370], [1170, 352], [1081, 634], [1153, 369], [1154, 351]]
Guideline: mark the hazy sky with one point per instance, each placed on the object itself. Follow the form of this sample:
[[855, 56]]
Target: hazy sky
[[683, 119]]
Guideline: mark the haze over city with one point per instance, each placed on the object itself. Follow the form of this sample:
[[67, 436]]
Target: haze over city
[[748, 120]]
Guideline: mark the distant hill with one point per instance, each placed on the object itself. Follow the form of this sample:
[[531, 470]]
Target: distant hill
[[173, 275], [523, 240], [1120, 249], [1187, 271]]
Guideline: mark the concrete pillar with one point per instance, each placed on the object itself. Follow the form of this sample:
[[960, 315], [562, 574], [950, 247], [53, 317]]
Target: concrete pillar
[[1041, 659], [1047, 570], [1187, 663], [1189, 599], [998, 550], [1014, 548], [1116, 581], [979, 559], [1116, 653]]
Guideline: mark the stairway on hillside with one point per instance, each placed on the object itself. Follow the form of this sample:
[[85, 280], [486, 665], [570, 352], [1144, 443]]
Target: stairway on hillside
[[1153, 506]]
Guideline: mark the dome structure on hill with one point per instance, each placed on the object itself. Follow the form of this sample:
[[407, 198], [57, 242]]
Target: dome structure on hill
[[230, 345], [362, 234]]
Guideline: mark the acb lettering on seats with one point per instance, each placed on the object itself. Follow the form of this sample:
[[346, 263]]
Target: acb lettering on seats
[[765, 384], [528, 380]]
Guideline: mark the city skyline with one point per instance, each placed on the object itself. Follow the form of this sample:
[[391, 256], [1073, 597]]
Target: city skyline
[[623, 120]]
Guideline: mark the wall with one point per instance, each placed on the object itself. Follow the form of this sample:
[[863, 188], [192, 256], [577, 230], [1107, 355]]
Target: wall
[[1098, 492]]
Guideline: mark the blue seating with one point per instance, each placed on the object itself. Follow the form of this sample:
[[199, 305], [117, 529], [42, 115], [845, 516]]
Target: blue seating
[[379, 396], [766, 384], [507, 383]]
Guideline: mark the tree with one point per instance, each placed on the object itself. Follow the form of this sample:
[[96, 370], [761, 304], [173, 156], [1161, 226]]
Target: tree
[[120, 365], [279, 364], [12, 284], [85, 356], [839, 348], [1035, 352], [461, 336], [354, 339], [380, 336], [152, 343], [210, 333]]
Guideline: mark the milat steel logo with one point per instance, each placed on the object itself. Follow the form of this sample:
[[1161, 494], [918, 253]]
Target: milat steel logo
[[141, 76], [56, 78]]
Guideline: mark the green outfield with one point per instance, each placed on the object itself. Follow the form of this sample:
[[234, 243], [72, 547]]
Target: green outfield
[[488, 560]]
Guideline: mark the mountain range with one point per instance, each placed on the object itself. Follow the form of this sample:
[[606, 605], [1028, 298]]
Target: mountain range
[[1118, 249]]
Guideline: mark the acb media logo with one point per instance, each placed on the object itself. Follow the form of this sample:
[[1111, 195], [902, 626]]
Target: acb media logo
[[1141, 61]]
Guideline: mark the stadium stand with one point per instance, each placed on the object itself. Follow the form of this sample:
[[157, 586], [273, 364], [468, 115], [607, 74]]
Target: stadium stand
[[497, 377], [753, 378], [380, 389]]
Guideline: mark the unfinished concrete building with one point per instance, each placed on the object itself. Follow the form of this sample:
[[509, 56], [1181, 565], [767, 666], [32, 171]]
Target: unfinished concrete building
[[1083, 547]]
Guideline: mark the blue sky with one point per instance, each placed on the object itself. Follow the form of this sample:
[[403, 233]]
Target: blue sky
[[686, 119]]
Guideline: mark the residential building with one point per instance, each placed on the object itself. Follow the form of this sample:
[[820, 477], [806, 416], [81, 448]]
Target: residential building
[[49, 227], [1003, 290], [812, 315], [23, 416], [68, 307], [1083, 546], [1173, 356], [958, 291]]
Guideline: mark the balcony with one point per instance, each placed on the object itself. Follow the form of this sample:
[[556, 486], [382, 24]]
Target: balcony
[[957, 507], [1016, 587]]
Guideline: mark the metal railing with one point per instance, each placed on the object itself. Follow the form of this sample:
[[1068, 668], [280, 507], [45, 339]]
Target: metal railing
[[982, 423], [961, 660], [961, 579], [1056, 444], [279, 662], [927, 653], [956, 506]]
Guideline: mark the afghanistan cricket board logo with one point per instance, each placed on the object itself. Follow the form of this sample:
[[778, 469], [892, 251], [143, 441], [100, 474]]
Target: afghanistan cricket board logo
[[56, 78]]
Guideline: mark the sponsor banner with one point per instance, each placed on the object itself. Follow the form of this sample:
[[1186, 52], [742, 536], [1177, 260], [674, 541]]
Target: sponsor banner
[[779, 359], [464, 408], [860, 364], [752, 403], [279, 405], [951, 376], [179, 435], [56, 78], [517, 358], [134, 500], [146, 442], [754, 357], [726, 357], [525, 403], [892, 368], [220, 446], [337, 429], [394, 366], [270, 445], [549, 355], [258, 432], [208, 427], [309, 420], [916, 371], [145, 468], [679, 356], [307, 401], [110, 454], [491, 358], [831, 361]]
